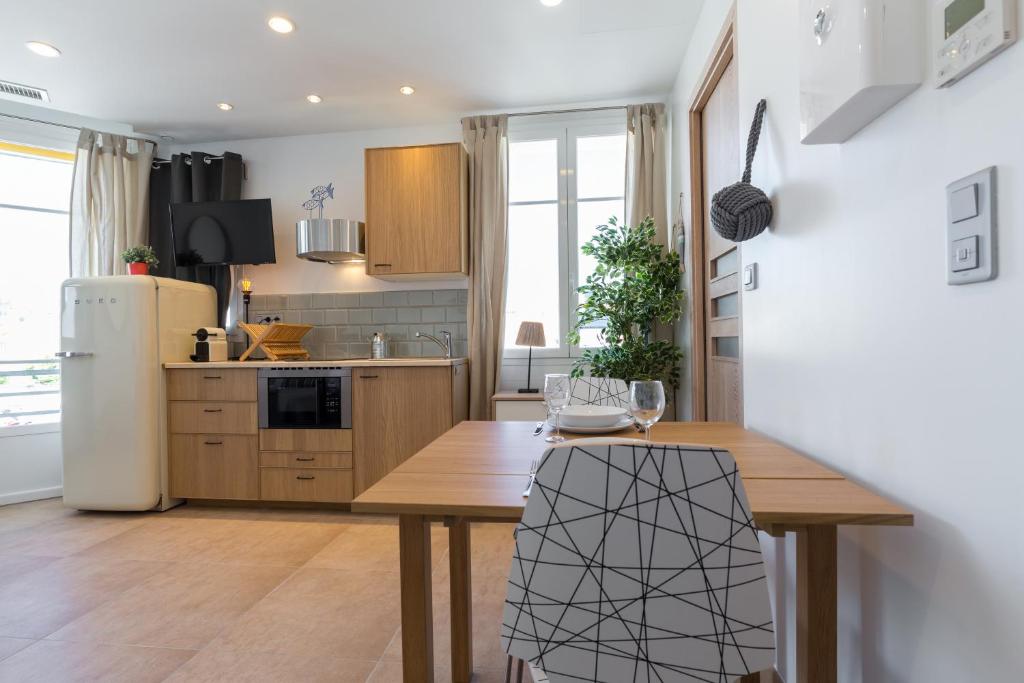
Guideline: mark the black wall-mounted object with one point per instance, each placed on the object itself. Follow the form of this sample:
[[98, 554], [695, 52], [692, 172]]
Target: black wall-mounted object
[[223, 233]]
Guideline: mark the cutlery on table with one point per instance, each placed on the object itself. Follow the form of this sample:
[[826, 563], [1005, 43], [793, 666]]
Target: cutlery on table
[[538, 429], [533, 476]]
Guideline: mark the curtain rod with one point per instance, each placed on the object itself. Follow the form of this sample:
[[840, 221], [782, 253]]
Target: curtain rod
[[70, 127], [565, 111]]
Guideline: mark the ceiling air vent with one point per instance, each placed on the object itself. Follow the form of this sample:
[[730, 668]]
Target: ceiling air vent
[[27, 92]]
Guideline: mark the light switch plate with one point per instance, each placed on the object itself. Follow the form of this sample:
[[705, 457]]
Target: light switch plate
[[750, 276], [971, 222]]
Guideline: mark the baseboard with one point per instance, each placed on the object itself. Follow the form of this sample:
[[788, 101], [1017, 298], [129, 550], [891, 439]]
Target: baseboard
[[26, 496]]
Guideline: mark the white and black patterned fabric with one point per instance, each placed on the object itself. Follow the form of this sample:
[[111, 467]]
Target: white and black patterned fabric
[[638, 562], [599, 391]]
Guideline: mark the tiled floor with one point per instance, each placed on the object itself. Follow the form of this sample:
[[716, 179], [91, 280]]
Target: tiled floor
[[223, 594]]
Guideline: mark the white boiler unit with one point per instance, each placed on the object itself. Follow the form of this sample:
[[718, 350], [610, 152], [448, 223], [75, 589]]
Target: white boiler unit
[[858, 58], [116, 333]]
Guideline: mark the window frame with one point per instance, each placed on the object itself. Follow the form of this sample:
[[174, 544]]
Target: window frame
[[566, 129], [9, 146]]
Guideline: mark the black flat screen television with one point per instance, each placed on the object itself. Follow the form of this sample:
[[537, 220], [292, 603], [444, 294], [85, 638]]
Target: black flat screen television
[[223, 233]]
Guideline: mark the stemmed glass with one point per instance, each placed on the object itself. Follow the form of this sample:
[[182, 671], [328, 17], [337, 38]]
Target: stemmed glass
[[556, 395], [647, 404]]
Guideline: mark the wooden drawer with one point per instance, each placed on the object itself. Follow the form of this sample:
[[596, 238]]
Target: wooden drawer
[[306, 440], [320, 486], [209, 417], [224, 467], [211, 384], [320, 459]]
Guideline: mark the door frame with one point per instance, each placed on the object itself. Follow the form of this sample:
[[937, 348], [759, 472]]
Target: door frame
[[722, 54]]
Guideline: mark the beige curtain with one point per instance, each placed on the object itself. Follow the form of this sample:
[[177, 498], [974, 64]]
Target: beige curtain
[[486, 141], [647, 184], [646, 167], [109, 201]]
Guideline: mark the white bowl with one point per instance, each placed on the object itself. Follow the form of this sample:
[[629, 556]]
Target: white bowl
[[591, 416]]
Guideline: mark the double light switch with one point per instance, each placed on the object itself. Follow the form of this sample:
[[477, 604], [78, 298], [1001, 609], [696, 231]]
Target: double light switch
[[971, 228]]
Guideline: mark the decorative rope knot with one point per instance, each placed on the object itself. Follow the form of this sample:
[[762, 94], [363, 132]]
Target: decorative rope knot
[[742, 211]]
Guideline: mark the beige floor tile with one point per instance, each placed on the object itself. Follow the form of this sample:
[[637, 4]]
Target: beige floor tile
[[22, 515], [16, 566], [319, 612], [41, 601], [265, 514], [492, 546], [391, 672], [184, 606], [68, 534], [214, 665], [373, 547], [49, 661], [228, 541], [8, 646]]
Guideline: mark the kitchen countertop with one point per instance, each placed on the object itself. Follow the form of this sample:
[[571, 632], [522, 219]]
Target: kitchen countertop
[[348, 363]]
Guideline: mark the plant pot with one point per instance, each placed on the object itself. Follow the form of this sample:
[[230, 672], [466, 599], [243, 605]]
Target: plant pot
[[138, 268]]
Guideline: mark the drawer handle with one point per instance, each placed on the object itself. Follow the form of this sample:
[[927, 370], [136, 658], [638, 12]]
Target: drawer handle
[[382, 265], [213, 443], [367, 376], [213, 410], [305, 459], [212, 377], [304, 478]]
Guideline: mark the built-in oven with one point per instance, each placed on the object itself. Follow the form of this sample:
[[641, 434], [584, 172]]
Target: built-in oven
[[305, 398]]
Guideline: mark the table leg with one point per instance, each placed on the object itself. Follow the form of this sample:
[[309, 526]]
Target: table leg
[[462, 601], [816, 610], [417, 613]]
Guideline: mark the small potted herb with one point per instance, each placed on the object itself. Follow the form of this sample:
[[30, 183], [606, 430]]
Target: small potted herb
[[139, 259]]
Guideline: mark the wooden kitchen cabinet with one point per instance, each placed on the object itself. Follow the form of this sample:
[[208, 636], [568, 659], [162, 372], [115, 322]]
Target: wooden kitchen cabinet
[[214, 466], [417, 211], [398, 411]]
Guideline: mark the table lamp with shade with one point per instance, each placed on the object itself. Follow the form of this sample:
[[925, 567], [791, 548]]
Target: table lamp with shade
[[530, 334]]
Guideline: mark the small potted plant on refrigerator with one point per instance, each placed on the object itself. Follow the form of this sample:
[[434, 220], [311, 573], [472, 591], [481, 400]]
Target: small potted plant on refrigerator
[[139, 259]]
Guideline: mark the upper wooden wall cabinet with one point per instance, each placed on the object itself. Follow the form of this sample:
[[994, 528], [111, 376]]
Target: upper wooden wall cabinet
[[417, 211]]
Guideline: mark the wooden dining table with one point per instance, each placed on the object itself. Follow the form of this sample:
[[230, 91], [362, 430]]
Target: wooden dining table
[[477, 472]]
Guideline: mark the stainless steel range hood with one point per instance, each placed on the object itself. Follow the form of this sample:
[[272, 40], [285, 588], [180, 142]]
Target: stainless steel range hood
[[330, 240]]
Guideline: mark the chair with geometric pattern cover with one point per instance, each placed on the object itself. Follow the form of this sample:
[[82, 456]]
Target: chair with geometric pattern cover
[[638, 562], [599, 391]]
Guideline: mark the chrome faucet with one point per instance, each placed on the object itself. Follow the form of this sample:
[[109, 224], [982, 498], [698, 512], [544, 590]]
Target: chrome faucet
[[445, 345]]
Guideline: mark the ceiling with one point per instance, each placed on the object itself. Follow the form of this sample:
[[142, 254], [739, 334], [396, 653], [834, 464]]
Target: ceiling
[[163, 66]]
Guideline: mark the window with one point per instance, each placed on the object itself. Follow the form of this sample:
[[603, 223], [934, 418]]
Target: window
[[35, 191], [565, 179]]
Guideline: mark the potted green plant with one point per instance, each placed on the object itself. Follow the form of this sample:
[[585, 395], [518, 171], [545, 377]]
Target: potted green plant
[[139, 259], [634, 286]]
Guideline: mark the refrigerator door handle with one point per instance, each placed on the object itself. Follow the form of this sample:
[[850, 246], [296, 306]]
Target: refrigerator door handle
[[73, 354]]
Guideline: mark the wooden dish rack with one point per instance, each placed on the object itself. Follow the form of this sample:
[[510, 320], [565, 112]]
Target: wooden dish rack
[[280, 341]]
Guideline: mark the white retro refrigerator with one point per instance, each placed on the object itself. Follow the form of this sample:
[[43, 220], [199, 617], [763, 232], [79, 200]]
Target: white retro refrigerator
[[116, 333]]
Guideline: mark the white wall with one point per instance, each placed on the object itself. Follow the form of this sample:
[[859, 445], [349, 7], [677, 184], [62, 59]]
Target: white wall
[[30, 466], [857, 353], [286, 168]]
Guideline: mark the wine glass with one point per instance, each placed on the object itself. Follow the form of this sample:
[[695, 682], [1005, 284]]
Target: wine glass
[[647, 404], [556, 394]]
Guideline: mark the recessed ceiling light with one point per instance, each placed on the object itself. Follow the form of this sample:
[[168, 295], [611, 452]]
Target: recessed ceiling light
[[281, 24], [407, 90], [224, 106], [43, 49], [314, 99], [551, 3]]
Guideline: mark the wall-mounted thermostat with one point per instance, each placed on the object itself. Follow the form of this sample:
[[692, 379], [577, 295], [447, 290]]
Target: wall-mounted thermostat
[[968, 33]]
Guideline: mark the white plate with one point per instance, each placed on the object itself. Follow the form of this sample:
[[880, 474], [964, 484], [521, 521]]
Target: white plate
[[592, 416], [625, 422]]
